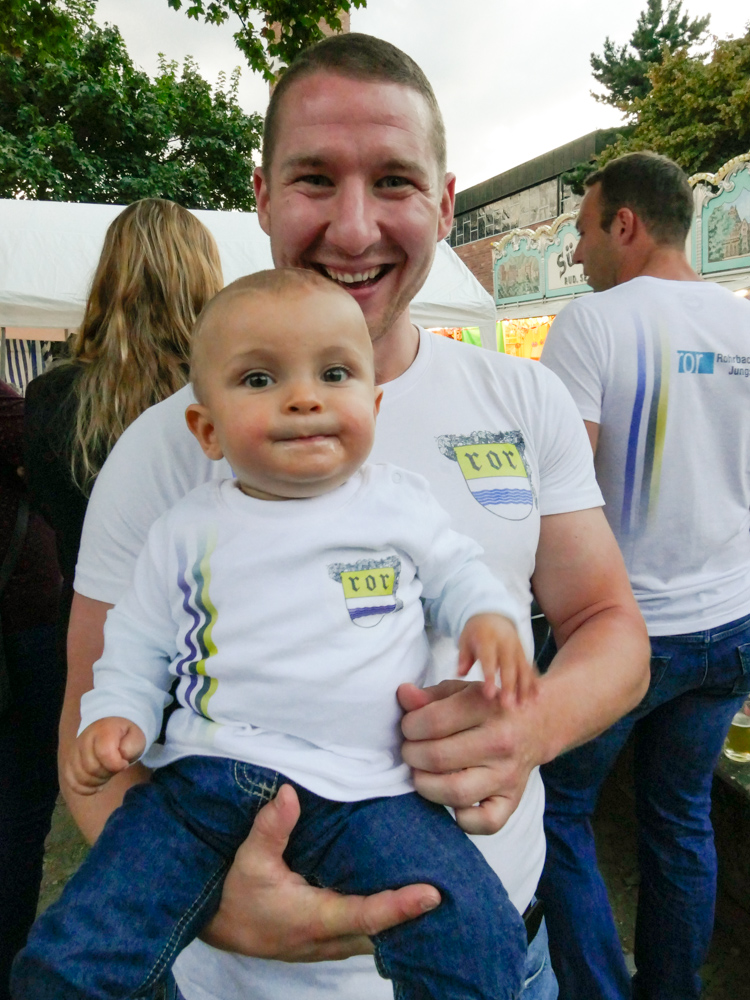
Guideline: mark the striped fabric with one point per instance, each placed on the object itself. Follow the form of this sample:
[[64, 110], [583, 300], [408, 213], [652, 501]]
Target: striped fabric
[[23, 360], [194, 582], [646, 436]]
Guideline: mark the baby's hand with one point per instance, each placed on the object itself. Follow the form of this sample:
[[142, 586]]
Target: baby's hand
[[103, 748], [493, 640]]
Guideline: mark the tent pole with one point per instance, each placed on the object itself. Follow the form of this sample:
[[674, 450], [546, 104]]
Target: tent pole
[[2, 353]]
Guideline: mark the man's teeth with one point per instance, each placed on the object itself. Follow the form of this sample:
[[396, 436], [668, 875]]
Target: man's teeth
[[350, 279]]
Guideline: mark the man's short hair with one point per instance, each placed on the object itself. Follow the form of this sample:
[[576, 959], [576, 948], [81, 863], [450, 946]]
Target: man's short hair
[[356, 57], [653, 187]]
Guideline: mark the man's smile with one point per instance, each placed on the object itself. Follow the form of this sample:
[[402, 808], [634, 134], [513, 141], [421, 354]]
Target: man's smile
[[355, 279]]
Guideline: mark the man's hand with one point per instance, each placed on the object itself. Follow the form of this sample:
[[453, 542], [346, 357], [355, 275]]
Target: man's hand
[[268, 911], [103, 749], [464, 749]]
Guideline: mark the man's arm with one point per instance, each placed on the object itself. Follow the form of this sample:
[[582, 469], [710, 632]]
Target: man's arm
[[266, 911], [465, 750], [592, 430]]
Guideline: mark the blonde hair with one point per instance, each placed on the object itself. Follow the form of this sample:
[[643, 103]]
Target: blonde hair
[[158, 269]]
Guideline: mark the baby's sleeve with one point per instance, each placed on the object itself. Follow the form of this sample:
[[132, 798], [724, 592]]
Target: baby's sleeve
[[132, 678]]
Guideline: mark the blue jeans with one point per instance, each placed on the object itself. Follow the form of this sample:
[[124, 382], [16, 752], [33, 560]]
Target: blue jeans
[[154, 878], [698, 682], [28, 780]]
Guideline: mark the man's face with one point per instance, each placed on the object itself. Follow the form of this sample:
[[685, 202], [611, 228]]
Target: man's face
[[353, 191], [597, 249]]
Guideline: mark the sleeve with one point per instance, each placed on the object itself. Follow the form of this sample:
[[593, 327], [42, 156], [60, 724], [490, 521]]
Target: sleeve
[[573, 352], [456, 584], [132, 678]]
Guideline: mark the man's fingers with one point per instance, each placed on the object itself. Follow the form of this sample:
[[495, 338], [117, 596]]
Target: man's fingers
[[453, 707], [488, 817], [271, 830], [411, 697], [460, 789], [372, 914]]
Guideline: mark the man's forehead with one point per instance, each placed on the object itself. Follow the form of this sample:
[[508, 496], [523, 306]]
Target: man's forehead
[[325, 101]]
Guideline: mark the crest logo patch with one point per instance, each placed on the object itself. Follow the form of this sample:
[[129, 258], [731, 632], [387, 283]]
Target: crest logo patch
[[370, 588], [495, 471]]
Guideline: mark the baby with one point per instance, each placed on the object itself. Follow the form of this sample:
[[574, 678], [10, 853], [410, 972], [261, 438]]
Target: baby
[[280, 611]]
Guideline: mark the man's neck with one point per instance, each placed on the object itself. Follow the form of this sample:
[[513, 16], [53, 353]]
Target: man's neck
[[658, 261], [395, 350]]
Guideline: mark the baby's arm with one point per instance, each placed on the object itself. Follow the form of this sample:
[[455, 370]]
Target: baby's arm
[[493, 640], [103, 749]]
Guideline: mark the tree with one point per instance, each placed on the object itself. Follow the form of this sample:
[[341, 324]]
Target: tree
[[698, 109], [624, 72], [78, 121], [288, 26]]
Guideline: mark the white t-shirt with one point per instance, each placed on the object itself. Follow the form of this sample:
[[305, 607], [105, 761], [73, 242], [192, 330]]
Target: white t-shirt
[[664, 368], [453, 406], [289, 626]]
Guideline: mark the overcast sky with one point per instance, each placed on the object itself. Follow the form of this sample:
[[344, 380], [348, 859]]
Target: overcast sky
[[512, 79]]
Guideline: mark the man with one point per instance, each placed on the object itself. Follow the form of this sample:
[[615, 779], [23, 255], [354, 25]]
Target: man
[[649, 361], [353, 185]]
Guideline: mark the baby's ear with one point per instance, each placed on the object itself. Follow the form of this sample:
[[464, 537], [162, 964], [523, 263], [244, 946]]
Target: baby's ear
[[378, 398], [198, 419]]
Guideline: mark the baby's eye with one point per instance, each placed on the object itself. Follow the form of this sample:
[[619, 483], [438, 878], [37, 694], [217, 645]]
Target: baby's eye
[[336, 374], [257, 380]]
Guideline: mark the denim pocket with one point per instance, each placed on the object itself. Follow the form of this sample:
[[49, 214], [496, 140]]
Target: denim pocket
[[742, 684], [658, 666]]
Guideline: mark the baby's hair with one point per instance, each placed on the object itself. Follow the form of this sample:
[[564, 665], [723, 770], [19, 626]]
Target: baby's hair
[[277, 282]]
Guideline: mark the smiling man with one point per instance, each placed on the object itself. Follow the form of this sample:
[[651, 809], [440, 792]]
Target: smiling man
[[353, 185]]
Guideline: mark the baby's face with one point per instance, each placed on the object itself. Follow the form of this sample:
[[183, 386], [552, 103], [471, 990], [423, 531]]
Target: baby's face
[[288, 394]]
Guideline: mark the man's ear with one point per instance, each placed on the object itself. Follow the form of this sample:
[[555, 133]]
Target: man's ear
[[261, 199], [378, 398], [199, 421], [447, 202], [626, 224]]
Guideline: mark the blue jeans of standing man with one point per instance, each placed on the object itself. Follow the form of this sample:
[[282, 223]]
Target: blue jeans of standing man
[[698, 682], [154, 878]]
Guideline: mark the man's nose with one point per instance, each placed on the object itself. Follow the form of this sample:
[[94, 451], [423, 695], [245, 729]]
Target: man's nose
[[353, 226], [577, 255]]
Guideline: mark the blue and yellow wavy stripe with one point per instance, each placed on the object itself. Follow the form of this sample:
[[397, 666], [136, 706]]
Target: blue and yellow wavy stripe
[[194, 582]]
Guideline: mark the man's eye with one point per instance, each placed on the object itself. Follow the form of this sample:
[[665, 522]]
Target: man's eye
[[257, 380], [316, 180], [393, 182], [336, 374]]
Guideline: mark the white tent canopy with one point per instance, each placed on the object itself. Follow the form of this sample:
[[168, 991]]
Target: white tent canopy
[[48, 252]]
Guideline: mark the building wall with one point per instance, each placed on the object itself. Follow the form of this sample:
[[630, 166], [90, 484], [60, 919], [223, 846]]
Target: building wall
[[478, 258]]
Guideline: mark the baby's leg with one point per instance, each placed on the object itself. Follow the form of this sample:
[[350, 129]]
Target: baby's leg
[[149, 884], [472, 946]]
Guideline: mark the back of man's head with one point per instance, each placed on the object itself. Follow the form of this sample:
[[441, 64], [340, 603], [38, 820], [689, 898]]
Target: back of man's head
[[651, 186], [356, 57]]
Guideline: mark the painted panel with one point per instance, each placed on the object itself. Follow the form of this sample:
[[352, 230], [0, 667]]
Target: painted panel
[[563, 276], [518, 274], [725, 225]]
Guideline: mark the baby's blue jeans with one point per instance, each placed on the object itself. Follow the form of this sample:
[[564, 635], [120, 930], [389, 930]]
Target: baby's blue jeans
[[154, 878]]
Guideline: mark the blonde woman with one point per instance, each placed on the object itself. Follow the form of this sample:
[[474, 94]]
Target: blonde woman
[[158, 268]]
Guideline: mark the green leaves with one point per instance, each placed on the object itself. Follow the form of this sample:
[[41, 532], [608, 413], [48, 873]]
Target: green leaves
[[698, 109], [660, 31], [78, 121], [272, 32]]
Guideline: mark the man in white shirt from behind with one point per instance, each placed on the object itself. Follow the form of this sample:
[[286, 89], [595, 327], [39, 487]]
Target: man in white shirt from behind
[[353, 185], [655, 364]]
